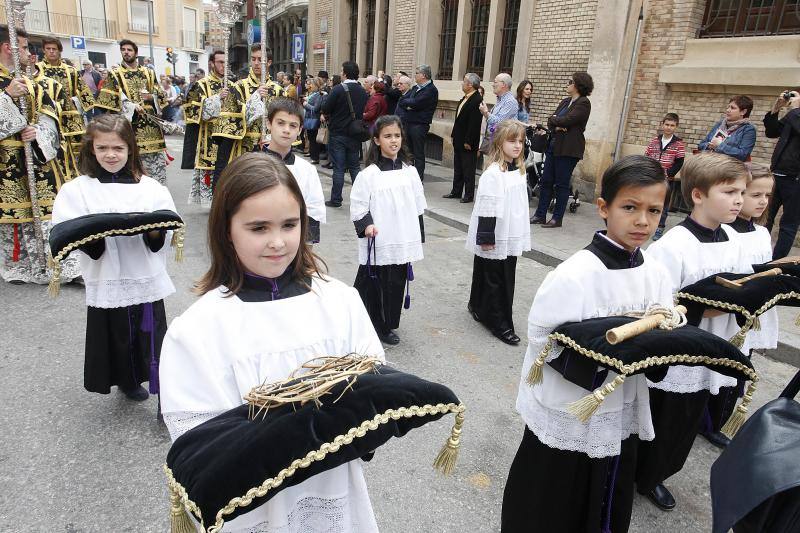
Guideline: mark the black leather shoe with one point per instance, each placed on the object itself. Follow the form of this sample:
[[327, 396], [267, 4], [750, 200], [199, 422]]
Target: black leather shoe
[[553, 223], [333, 204], [451, 195], [389, 338], [327, 166], [508, 336], [467, 200], [535, 220], [717, 439], [139, 394], [661, 497], [472, 312]]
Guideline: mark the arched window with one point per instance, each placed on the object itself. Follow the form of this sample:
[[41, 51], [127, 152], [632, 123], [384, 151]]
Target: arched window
[[447, 43], [478, 31]]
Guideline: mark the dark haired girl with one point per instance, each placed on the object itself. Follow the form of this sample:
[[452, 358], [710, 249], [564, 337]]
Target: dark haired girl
[[126, 277], [386, 206], [265, 310]]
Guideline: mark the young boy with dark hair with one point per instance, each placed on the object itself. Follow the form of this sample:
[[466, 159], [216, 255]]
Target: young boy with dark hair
[[284, 120], [700, 246], [669, 150]]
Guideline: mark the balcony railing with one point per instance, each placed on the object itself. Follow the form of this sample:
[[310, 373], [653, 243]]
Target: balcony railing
[[275, 8], [746, 18], [42, 22], [193, 39], [140, 26]]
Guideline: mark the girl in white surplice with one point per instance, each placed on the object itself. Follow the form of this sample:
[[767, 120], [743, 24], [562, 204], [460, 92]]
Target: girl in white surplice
[[265, 310], [126, 277], [386, 206]]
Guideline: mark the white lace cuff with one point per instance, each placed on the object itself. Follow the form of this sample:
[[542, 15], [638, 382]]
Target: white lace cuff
[[11, 120], [212, 106], [255, 108], [180, 422], [47, 137]]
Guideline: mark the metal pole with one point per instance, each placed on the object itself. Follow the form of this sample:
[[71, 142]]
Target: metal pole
[[262, 6], [150, 31], [23, 105], [628, 86]]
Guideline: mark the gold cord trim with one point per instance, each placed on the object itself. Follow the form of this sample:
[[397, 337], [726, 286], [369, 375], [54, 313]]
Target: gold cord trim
[[318, 455]]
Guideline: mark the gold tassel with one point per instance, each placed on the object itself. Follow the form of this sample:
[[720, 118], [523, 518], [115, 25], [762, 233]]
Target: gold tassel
[[797, 321], [535, 373], [179, 521], [737, 419], [757, 324], [446, 460], [586, 406], [177, 242], [54, 287], [738, 339]]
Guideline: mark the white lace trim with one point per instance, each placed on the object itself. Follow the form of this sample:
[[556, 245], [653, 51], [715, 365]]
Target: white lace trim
[[686, 379], [601, 436], [393, 254], [513, 246], [254, 108], [212, 106], [47, 137], [489, 206], [11, 119], [124, 292], [179, 422], [310, 515]]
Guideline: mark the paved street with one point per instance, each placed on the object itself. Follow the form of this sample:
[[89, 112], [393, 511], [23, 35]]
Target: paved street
[[71, 461]]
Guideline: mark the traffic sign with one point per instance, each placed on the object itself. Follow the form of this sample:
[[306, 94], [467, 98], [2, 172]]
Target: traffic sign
[[298, 47], [78, 42]]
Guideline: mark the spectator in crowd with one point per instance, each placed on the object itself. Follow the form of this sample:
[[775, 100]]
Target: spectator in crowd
[[91, 77], [466, 136], [103, 78], [173, 99], [376, 105], [343, 148], [394, 91], [368, 81], [333, 82], [670, 151], [148, 64], [312, 103], [418, 106], [298, 82], [733, 135], [381, 74], [323, 75], [565, 148], [524, 91], [506, 106], [786, 168], [290, 91]]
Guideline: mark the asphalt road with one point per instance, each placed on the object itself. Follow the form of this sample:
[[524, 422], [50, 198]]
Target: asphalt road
[[72, 461]]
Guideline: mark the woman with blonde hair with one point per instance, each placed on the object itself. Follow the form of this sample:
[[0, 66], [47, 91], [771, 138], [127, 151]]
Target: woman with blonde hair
[[312, 104]]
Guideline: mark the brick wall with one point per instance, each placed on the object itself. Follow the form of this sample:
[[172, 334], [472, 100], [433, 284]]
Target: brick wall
[[561, 36], [405, 36], [321, 8], [667, 26]]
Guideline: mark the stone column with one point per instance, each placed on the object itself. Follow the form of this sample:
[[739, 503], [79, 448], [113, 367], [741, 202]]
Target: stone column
[[361, 35], [377, 49], [462, 40], [494, 38]]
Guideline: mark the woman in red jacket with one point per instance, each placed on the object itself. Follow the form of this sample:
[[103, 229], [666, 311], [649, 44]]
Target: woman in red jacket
[[376, 105]]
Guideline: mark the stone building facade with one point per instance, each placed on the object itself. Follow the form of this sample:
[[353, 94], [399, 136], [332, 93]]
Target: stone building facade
[[691, 57]]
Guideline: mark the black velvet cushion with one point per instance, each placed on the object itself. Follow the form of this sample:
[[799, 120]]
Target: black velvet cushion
[[688, 340], [225, 457], [67, 233], [751, 296], [787, 268]]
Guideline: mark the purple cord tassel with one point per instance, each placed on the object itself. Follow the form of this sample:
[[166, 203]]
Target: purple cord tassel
[[149, 326], [409, 279], [410, 272]]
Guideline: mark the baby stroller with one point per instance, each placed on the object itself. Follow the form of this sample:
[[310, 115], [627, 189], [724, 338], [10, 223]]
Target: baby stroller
[[535, 148]]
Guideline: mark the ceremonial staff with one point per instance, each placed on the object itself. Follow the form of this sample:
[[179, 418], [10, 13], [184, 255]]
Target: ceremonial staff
[[262, 10], [15, 14], [228, 15]]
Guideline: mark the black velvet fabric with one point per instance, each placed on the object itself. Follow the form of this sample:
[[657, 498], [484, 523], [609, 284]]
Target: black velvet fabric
[[787, 269], [764, 458], [230, 454], [69, 231], [190, 146], [751, 296], [591, 335]]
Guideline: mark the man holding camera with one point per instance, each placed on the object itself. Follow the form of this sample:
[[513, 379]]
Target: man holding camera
[[786, 168]]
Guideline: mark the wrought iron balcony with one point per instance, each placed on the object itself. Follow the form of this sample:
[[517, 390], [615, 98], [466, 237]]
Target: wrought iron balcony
[[140, 26], [747, 18], [45, 23]]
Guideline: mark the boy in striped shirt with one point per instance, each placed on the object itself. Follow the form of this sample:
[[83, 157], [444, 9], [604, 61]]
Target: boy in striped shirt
[[669, 150]]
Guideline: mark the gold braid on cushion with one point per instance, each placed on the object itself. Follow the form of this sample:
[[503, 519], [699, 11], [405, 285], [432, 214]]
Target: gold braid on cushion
[[178, 492], [55, 279]]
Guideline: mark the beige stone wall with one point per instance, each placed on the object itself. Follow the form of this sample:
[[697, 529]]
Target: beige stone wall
[[404, 47], [561, 37]]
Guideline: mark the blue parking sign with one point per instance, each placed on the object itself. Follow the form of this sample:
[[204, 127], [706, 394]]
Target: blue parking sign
[[78, 42], [298, 47]]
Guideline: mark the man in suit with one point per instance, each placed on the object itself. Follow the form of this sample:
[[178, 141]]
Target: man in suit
[[418, 106], [466, 134]]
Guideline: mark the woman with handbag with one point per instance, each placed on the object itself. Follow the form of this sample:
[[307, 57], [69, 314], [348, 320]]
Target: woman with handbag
[[311, 122]]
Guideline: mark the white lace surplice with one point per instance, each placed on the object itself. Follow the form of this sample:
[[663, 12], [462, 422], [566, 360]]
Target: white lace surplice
[[757, 247], [395, 199], [687, 261], [127, 273], [503, 195], [221, 347], [307, 178], [581, 288]]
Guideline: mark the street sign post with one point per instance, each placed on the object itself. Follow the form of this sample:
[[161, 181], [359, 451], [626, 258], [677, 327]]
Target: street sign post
[[298, 48]]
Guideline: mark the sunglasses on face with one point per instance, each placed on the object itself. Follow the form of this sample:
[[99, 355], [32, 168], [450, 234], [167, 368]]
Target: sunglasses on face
[[570, 82]]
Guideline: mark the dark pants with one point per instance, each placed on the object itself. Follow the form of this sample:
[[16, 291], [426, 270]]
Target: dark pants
[[343, 152], [667, 201], [556, 178], [491, 296], [720, 407], [416, 142], [787, 194], [382, 289], [313, 145], [464, 163], [561, 491]]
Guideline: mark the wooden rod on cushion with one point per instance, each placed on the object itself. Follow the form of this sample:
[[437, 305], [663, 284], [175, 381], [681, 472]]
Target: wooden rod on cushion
[[738, 283], [637, 327]]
